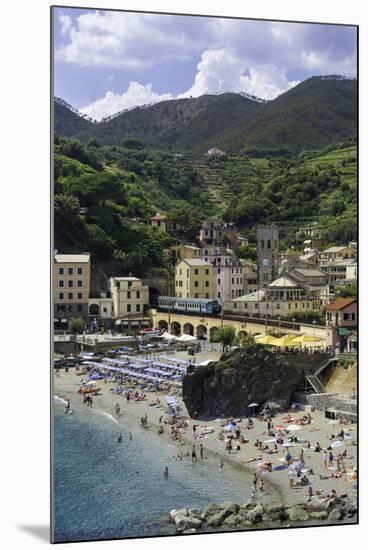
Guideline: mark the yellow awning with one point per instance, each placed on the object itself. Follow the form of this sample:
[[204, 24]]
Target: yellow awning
[[307, 339], [268, 340]]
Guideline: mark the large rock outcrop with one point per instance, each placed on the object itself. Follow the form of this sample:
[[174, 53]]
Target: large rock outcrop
[[251, 374]]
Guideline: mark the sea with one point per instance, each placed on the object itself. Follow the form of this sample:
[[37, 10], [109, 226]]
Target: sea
[[106, 490]]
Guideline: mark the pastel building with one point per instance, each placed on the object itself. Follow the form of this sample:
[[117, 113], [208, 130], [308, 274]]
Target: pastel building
[[71, 286], [194, 279]]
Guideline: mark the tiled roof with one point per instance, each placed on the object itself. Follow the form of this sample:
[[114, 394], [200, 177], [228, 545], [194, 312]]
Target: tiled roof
[[341, 303]]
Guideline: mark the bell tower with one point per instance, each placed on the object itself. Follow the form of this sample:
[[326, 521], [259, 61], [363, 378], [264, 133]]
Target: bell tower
[[267, 254]]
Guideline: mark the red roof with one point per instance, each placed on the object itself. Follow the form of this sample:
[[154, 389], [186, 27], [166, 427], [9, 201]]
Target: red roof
[[341, 303]]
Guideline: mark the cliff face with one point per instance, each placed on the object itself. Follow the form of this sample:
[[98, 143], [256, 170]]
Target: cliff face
[[251, 374]]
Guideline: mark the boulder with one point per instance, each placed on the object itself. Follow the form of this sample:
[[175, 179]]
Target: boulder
[[315, 506], [336, 514], [229, 507], [216, 519], [256, 514], [296, 513], [189, 531], [318, 515], [233, 520], [179, 512], [182, 523], [210, 510], [248, 505], [195, 513], [226, 388]]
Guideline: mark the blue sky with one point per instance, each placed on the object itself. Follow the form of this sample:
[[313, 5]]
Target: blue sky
[[107, 61]]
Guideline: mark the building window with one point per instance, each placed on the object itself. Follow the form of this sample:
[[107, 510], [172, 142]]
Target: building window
[[219, 295], [268, 243], [138, 294], [219, 270], [218, 281], [80, 295], [196, 272], [61, 295], [79, 307], [255, 306], [196, 284], [245, 306], [80, 283], [61, 284], [349, 316], [196, 295], [70, 271], [70, 284], [61, 271], [278, 306], [129, 284], [70, 295], [80, 271], [138, 307], [129, 308], [207, 295], [207, 283], [128, 295]]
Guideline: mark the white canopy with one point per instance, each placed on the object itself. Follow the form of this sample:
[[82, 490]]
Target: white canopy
[[186, 338], [168, 336]]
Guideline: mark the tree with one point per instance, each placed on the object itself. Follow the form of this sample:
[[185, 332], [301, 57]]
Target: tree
[[76, 325], [225, 335]]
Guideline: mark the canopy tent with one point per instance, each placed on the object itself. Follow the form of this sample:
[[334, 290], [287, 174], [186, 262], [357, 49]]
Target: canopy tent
[[168, 336], [186, 338], [307, 339], [267, 339]]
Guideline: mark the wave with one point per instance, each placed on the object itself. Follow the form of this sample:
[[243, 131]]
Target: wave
[[60, 399], [108, 415]]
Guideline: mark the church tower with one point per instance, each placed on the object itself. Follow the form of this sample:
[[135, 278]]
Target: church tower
[[267, 254]]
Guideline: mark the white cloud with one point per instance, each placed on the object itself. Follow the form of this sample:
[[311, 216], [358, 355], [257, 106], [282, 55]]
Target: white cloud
[[66, 24], [123, 40], [220, 71], [136, 94]]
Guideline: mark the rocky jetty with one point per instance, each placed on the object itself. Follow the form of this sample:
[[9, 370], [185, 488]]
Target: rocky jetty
[[229, 515], [251, 374]]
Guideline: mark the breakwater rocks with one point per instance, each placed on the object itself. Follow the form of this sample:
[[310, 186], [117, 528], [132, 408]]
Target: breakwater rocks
[[251, 374], [232, 516]]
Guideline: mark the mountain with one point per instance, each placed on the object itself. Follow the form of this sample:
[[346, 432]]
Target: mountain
[[69, 121], [318, 112]]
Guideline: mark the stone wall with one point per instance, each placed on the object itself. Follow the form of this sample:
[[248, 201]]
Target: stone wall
[[323, 401]]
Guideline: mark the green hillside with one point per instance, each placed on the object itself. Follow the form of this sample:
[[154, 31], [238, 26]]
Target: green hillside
[[105, 195], [318, 112]]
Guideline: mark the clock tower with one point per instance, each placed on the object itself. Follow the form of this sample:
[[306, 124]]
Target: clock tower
[[267, 254]]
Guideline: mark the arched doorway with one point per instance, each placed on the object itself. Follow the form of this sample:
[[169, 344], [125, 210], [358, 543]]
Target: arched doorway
[[153, 296], [163, 325], [202, 332], [175, 328], [213, 331], [188, 329], [94, 309]]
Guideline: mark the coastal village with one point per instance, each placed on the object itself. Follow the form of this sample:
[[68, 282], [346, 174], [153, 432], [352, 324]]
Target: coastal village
[[157, 343]]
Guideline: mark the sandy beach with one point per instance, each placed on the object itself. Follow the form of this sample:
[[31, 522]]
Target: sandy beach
[[276, 482]]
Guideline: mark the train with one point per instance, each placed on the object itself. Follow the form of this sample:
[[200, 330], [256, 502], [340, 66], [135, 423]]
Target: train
[[189, 305]]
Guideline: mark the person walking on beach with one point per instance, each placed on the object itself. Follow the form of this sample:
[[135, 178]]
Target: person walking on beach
[[291, 478], [325, 458], [117, 409], [194, 454], [130, 436], [330, 460], [201, 451], [222, 465], [261, 486], [301, 456], [166, 473], [255, 481], [67, 406]]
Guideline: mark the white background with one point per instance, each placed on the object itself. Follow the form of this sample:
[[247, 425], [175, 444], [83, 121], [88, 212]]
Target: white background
[[24, 296]]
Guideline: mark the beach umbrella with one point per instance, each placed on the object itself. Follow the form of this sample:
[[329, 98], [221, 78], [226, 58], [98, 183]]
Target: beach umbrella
[[287, 340], [252, 406], [287, 444], [168, 336], [296, 466], [267, 340], [186, 338], [307, 339]]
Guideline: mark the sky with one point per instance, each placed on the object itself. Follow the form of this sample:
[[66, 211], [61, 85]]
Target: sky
[[107, 61]]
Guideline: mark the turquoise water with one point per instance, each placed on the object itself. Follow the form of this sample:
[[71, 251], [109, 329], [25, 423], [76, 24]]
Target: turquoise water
[[104, 489]]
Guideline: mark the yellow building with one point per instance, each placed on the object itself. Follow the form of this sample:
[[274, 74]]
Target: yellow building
[[71, 286], [193, 279], [182, 252]]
